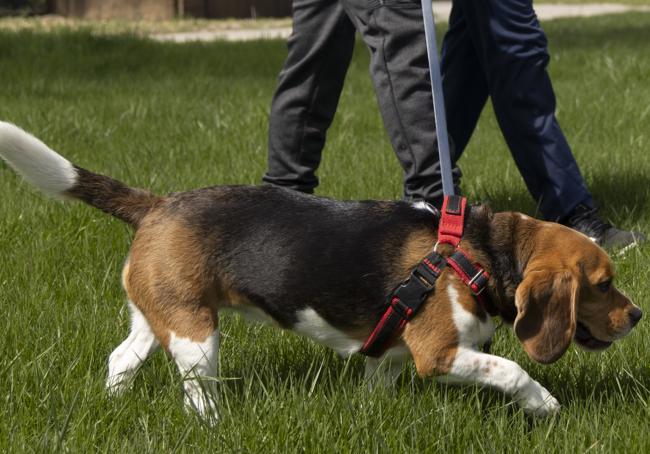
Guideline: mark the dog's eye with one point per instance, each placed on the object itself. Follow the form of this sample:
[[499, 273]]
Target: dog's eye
[[604, 286]]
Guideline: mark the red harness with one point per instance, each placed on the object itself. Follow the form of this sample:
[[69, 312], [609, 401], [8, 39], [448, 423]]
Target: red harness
[[408, 297]]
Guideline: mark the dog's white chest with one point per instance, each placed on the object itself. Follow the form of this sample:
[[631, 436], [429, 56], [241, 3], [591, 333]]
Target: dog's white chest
[[472, 331]]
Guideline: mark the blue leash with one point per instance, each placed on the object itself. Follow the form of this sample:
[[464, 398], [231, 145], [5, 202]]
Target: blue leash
[[438, 100]]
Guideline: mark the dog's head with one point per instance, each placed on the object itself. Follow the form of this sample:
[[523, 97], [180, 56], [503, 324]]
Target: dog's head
[[568, 293]]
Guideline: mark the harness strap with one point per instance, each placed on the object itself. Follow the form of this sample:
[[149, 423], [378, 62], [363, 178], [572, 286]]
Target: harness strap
[[451, 232], [404, 304], [473, 276], [406, 299], [450, 228]]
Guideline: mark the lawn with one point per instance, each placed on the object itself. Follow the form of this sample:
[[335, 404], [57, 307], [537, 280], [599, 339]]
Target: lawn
[[173, 117]]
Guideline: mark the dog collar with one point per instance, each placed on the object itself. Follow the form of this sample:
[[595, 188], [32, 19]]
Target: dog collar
[[406, 300]]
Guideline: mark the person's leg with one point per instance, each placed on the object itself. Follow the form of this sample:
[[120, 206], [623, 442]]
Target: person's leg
[[394, 34], [464, 85], [309, 86], [512, 48]]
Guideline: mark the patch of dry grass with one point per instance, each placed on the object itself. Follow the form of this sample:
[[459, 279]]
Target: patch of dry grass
[[51, 23]]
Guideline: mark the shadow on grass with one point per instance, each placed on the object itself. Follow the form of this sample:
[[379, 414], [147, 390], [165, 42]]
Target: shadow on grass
[[617, 193], [625, 190], [628, 31], [610, 386]]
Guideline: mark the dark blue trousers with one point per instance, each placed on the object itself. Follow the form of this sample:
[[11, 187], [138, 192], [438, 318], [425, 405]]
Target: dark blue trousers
[[497, 49]]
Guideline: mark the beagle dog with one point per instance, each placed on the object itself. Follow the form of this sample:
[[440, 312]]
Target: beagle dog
[[324, 268]]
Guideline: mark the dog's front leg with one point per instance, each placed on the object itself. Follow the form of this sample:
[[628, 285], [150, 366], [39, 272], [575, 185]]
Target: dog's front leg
[[470, 366]]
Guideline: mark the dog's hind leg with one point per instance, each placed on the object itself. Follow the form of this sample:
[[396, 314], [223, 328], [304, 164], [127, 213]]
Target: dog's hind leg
[[197, 361], [168, 277], [189, 331], [186, 325], [130, 354]]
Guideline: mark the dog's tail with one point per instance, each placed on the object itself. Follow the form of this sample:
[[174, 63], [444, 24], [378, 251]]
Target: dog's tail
[[58, 177]]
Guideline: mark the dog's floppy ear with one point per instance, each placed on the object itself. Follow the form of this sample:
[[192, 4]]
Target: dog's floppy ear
[[546, 314]]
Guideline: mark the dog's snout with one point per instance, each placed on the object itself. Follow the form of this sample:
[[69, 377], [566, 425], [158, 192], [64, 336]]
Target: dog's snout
[[635, 315]]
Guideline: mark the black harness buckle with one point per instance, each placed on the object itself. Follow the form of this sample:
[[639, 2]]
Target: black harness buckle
[[410, 295], [402, 309]]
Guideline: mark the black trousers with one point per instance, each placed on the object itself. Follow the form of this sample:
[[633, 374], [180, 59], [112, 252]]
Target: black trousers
[[320, 49]]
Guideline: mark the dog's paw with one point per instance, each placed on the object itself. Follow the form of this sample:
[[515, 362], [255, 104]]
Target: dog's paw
[[539, 402], [118, 384], [203, 404], [548, 407]]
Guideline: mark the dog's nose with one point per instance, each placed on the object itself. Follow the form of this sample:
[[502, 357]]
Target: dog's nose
[[635, 315]]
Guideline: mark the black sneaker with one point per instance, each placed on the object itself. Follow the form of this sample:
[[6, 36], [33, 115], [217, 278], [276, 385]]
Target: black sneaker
[[585, 220]]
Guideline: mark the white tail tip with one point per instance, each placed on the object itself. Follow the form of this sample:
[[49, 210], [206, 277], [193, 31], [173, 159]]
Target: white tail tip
[[35, 161]]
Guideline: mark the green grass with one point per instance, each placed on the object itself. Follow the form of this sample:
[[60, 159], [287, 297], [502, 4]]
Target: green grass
[[170, 118]]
